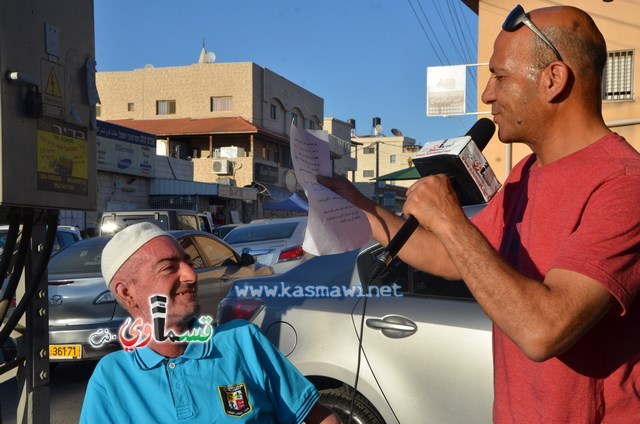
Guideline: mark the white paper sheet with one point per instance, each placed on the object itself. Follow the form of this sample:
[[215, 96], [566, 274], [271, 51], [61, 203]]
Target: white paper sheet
[[334, 224]]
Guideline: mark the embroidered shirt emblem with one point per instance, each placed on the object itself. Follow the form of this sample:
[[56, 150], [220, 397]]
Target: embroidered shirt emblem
[[234, 399]]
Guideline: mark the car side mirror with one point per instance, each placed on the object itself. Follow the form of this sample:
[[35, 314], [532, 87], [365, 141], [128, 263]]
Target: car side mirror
[[247, 259]]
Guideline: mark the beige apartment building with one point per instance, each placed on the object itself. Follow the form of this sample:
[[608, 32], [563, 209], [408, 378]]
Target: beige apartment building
[[378, 154], [230, 120], [618, 21], [383, 154]]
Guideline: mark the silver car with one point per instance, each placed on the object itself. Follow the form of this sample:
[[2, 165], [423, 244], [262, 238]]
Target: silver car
[[65, 236], [426, 349], [275, 242], [84, 317]]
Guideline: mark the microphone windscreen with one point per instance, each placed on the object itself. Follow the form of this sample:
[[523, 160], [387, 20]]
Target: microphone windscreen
[[481, 132]]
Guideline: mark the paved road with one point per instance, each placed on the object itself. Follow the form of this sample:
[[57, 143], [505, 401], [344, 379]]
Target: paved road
[[66, 392]]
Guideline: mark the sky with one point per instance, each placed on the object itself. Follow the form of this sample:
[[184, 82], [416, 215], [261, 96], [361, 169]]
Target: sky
[[365, 58]]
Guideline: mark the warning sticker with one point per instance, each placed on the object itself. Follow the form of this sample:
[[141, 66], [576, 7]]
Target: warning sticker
[[52, 76], [53, 86], [63, 157]]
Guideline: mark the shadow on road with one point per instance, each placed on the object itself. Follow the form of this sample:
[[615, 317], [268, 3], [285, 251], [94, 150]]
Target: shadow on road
[[66, 393]]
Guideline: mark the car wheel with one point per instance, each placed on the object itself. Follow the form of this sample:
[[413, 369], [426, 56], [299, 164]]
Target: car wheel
[[339, 401]]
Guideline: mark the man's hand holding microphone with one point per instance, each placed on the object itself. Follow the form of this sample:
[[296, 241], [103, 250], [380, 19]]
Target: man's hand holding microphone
[[434, 201]]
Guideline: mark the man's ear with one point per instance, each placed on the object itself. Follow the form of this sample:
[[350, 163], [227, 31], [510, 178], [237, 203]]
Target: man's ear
[[122, 293], [556, 80]]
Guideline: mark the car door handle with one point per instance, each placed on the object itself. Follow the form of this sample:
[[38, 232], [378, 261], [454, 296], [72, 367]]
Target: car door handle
[[393, 326]]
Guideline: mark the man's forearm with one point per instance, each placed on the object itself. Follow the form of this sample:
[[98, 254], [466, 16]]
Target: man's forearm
[[544, 318], [422, 250]]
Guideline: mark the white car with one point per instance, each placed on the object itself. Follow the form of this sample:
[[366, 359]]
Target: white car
[[426, 345], [426, 355], [275, 242]]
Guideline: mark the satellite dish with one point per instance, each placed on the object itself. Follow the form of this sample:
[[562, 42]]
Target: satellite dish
[[148, 66], [396, 132], [210, 57], [378, 129]]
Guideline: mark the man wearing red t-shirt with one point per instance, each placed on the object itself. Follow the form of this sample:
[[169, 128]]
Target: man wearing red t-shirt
[[554, 259]]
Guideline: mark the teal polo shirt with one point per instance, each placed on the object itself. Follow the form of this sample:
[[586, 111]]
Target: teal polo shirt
[[238, 376]]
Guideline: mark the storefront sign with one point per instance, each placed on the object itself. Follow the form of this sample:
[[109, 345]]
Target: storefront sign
[[266, 173], [233, 192], [125, 150]]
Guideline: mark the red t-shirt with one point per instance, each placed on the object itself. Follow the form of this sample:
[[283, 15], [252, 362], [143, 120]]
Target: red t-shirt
[[580, 213]]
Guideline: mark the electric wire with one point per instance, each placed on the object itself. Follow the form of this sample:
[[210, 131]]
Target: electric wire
[[471, 100], [19, 264], [458, 48], [5, 261], [466, 23], [425, 32], [462, 47], [39, 271], [359, 356], [448, 62], [459, 35]]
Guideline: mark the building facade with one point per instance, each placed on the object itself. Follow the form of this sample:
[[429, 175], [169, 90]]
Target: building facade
[[229, 120], [341, 146], [378, 154]]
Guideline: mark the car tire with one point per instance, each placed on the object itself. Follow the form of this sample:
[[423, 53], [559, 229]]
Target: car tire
[[339, 401]]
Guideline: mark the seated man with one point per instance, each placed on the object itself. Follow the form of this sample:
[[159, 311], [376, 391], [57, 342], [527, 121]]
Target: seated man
[[236, 375]]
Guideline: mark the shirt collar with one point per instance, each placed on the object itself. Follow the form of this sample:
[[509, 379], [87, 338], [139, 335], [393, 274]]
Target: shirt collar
[[148, 359]]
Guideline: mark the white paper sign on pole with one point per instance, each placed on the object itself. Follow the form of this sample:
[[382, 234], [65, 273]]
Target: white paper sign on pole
[[446, 90]]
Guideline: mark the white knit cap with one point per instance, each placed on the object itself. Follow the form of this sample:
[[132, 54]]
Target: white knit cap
[[124, 244]]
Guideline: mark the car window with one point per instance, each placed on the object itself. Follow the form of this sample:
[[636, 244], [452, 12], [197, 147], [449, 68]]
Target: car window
[[188, 222], [83, 259], [252, 233], [197, 261], [217, 254], [429, 285], [66, 238], [412, 282], [111, 225], [63, 239], [222, 232], [3, 239]]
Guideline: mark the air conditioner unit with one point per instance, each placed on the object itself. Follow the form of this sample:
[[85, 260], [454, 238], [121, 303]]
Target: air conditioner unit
[[222, 166]]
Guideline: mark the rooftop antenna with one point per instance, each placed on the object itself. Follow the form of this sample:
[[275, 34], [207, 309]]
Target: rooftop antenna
[[206, 57]]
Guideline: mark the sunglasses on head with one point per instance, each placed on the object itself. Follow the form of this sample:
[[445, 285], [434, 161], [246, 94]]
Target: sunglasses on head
[[517, 17]]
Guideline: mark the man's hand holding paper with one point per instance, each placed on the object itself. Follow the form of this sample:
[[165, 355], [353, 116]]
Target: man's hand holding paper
[[335, 225]]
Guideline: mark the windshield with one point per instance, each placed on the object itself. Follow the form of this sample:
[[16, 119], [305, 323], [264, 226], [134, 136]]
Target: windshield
[[253, 233]]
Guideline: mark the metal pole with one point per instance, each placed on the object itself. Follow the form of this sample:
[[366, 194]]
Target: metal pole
[[377, 186]]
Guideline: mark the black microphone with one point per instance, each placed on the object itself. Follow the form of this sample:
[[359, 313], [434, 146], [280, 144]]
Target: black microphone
[[462, 161]]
